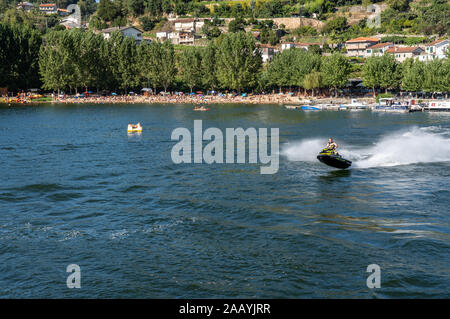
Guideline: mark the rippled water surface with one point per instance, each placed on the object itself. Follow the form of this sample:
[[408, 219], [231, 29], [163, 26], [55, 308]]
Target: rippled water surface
[[75, 188]]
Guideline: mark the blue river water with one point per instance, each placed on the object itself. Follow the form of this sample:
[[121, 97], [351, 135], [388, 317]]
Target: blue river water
[[77, 189]]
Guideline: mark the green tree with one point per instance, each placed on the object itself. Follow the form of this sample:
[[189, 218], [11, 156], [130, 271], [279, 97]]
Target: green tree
[[190, 67], [413, 75], [127, 64], [313, 81], [335, 71], [19, 52], [437, 76], [168, 68], [238, 61], [391, 73], [209, 66], [57, 61], [371, 73]]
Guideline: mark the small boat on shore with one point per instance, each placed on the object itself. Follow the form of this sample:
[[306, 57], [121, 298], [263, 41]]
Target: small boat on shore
[[134, 128]]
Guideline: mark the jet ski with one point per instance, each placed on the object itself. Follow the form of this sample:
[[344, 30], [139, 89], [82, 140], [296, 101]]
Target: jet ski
[[331, 158]]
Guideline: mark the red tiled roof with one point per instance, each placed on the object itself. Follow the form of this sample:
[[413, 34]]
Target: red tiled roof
[[380, 45], [48, 5], [402, 50], [363, 39]]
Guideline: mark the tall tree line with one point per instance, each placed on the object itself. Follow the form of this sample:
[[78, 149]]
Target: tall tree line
[[19, 52], [76, 60]]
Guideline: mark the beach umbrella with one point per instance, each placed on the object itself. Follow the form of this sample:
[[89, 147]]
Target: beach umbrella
[[113, 93], [192, 93], [90, 92]]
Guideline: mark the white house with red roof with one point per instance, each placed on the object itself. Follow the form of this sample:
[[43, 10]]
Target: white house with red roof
[[378, 49], [435, 50], [403, 53], [357, 47]]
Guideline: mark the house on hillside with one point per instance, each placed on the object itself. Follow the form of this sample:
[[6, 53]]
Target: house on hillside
[[267, 52], [378, 49], [181, 37], [162, 35], [129, 31], [403, 53], [25, 6], [48, 8], [357, 47], [435, 50], [287, 46], [300, 45], [189, 24]]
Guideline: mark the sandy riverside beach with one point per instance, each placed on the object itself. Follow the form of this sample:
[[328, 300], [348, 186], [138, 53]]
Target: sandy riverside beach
[[280, 99]]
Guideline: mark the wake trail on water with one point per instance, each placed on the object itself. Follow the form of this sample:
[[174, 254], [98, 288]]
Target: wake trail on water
[[416, 145]]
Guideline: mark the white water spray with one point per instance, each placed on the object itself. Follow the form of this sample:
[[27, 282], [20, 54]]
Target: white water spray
[[417, 145]]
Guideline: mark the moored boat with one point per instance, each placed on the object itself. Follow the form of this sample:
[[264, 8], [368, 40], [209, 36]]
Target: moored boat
[[292, 106], [355, 105], [310, 108], [390, 105], [438, 106]]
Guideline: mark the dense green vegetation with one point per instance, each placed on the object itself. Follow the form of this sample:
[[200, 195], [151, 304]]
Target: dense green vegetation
[[401, 16], [72, 60], [412, 75], [19, 52]]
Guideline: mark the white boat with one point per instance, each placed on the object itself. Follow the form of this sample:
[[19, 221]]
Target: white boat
[[355, 105], [438, 106], [327, 106], [134, 128], [291, 106], [389, 105]]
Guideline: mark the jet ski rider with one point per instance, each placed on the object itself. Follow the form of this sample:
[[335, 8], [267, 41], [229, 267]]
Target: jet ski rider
[[332, 145]]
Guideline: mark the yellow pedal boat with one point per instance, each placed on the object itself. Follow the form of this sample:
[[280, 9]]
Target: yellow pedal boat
[[133, 128]]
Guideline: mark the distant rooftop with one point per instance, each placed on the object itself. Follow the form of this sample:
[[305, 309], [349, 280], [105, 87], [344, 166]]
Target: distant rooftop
[[113, 29], [380, 45], [402, 49], [363, 39], [437, 42]]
